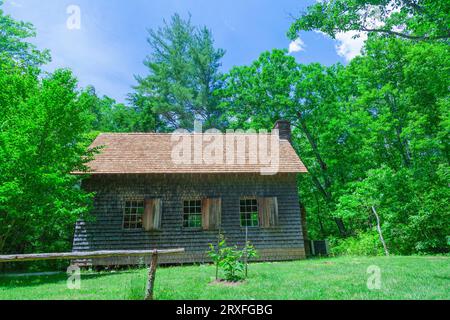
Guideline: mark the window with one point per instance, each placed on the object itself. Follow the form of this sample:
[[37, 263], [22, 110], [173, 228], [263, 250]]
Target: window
[[132, 216], [192, 217], [249, 213]]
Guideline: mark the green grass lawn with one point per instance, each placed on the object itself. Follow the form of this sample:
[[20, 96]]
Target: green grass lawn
[[330, 278]]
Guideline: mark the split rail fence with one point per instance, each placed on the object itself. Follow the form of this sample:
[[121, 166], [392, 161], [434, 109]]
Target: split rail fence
[[100, 254]]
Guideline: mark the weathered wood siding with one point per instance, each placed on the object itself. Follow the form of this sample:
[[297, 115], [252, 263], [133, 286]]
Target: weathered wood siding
[[283, 242]]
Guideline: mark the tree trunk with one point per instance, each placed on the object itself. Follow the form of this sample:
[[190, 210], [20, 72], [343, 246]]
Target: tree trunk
[[319, 217], [304, 228], [6, 235], [315, 149], [341, 226], [303, 220], [379, 231], [327, 196], [324, 189], [403, 147]]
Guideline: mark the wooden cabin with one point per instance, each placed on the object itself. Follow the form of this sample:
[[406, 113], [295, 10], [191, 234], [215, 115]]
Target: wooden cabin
[[143, 200]]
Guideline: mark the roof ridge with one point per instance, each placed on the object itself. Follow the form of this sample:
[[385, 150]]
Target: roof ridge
[[166, 134], [132, 133]]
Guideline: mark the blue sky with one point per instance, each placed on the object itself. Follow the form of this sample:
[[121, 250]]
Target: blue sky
[[111, 44]]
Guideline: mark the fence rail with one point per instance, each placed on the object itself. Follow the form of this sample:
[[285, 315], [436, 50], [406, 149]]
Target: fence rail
[[85, 255], [100, 254]]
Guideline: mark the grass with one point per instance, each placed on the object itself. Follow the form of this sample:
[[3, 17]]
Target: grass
[[329, 278]]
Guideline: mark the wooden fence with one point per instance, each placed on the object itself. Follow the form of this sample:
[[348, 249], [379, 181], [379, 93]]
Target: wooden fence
[[99, 254]]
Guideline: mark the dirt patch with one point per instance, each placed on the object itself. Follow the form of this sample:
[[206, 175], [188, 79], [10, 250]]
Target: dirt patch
[[227, 283]]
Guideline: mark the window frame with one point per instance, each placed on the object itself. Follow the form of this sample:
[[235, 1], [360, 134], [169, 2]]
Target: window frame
[[256, 204], [200, 213], [138, 222]]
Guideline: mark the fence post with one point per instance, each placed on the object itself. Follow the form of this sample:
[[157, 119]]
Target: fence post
[[151, 276], [246, 254]]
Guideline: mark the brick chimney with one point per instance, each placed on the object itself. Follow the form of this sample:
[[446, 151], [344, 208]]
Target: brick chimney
[[284, 127]]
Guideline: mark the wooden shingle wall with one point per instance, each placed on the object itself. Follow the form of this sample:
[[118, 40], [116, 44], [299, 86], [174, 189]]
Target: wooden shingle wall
[[281, 242]]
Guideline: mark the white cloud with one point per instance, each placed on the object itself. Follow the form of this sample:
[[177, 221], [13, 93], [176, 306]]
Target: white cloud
[[345, 45], [348, 47], [296, 46]]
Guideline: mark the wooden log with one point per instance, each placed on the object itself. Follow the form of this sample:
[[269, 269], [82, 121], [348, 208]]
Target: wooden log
[[84, 255], [151, 276]]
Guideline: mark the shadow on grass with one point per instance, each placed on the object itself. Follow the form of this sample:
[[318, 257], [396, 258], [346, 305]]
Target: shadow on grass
[[442, 277], [25, 281]]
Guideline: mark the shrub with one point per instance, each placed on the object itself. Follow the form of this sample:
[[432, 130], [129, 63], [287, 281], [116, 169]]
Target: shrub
[[230, 259], [364, 244]]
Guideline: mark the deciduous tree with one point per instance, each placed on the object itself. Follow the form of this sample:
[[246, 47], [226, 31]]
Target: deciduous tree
[[424, 20]]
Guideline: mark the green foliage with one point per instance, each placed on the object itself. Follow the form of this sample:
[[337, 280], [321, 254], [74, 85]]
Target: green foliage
[[403, 86], [373, 133], [12, 44], [183, 75], [44, 134], [110, 116], [413, 212], [255, 96], [364, 244], [415, 20], [230, 259], [43, 139]]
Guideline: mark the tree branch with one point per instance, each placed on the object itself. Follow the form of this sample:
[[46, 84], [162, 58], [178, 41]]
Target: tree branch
[[407, 36]]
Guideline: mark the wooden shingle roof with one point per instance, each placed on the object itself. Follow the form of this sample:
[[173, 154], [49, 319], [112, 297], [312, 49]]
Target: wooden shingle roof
[[133, 153]]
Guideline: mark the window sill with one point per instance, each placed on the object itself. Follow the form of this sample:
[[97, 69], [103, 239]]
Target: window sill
[[192, 229]]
